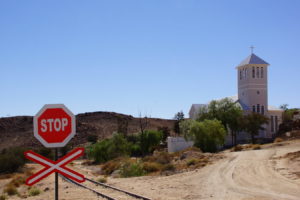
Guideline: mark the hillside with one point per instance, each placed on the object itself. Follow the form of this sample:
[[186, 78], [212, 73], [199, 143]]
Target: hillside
[[18, 131]]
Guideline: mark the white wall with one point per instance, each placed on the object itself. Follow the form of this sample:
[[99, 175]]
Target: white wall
[[178, 143]]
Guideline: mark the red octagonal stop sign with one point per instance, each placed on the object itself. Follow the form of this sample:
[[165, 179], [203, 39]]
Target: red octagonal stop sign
[[54, 125]]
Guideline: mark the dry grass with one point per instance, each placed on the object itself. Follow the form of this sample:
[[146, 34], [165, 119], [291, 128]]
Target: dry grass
[[237, 148], [10, 190], [34, 192], [102, 180], [150, 167], [277, 140], [110, 166], [3, 197]]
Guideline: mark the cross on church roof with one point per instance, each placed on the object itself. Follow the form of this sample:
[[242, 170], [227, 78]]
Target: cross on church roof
[[252, 47]]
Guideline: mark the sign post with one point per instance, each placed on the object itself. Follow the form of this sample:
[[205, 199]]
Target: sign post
[[54, 126]]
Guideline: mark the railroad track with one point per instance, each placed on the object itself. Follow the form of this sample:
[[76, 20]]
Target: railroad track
[[122, 193]]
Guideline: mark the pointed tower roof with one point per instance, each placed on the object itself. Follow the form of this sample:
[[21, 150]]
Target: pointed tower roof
[[252, 59]]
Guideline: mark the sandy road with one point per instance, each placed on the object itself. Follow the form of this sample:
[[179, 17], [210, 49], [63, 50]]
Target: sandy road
[[246, 175]]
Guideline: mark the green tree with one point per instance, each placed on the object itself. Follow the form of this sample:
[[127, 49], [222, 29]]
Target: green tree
[[179, 117], [150, 139], [207, 135], [254, 123], [235, 122]]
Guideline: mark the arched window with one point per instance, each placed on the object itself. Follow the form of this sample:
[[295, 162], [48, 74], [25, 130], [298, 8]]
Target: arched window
[[253, 108], [253, 72], [246, 73], [262, 72], [240, 74], [262, 110], [258, 108], [257, 72]]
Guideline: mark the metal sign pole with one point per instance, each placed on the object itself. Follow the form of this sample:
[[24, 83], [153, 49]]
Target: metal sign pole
[[56, 175]]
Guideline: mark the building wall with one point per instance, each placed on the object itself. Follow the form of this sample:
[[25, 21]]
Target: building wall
[[178, 143]]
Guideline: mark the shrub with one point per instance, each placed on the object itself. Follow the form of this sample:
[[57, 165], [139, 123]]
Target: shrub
[[207, 135], [168, 167], [34, 191], [3, 197], [191, 162], [18, 181], [130, 169], [161, 158], [149, 139], [102, 180], [92, 138], [256, 147], [109, 149], [111, 166], [278, 140], [11, 190], [151, 167], [12, 159], [237, 148]]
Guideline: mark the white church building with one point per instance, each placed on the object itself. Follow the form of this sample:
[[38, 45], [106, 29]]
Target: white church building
[[252, 81]]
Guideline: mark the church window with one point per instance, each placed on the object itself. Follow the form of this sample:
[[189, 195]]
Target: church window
[[262, 110], [258, 92], [253, 72], [246, 73], [258, 108], [257, 72], [240, 74], [253, 108], [272, 124], [276, 123], [262, 72]]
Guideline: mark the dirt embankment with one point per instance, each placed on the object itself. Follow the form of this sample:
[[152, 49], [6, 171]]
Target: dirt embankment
[[18, 131]]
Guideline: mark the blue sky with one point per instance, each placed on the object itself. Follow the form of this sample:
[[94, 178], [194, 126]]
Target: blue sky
[[155, 57]]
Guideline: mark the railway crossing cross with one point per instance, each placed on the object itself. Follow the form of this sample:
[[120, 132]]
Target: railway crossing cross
[[54, 166]]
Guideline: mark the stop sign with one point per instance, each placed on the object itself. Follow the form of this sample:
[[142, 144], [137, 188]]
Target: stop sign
[[54, 125]]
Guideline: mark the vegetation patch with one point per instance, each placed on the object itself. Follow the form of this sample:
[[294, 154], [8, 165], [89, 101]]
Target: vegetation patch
[[102, 180], [3, 197], [34, 191], [131, 169], [10, 190]]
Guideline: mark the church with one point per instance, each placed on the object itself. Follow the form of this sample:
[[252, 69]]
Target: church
[[252, 82]]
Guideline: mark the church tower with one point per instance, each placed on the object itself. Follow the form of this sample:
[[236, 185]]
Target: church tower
[[252, 76]]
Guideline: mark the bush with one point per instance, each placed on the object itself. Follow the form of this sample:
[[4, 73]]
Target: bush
[[207, 135], [11, 160], [92, 138], [11, 190], [237, 148], [151, 167], [149, 140], [278, 140], [34, 191], [191, 162], [168, 167], [3, 197], [256, 147], [161, 158], [102, 180], [130, 169], [111, 166], [109, 149]]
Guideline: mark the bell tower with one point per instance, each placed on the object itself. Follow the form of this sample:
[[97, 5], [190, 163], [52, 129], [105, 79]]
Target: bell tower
[[252, 74]]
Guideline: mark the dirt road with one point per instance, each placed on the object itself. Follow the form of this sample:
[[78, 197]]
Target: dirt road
[[247, 175]]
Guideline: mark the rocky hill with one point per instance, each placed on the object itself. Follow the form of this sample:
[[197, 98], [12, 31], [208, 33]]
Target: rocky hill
[[18, 131]]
